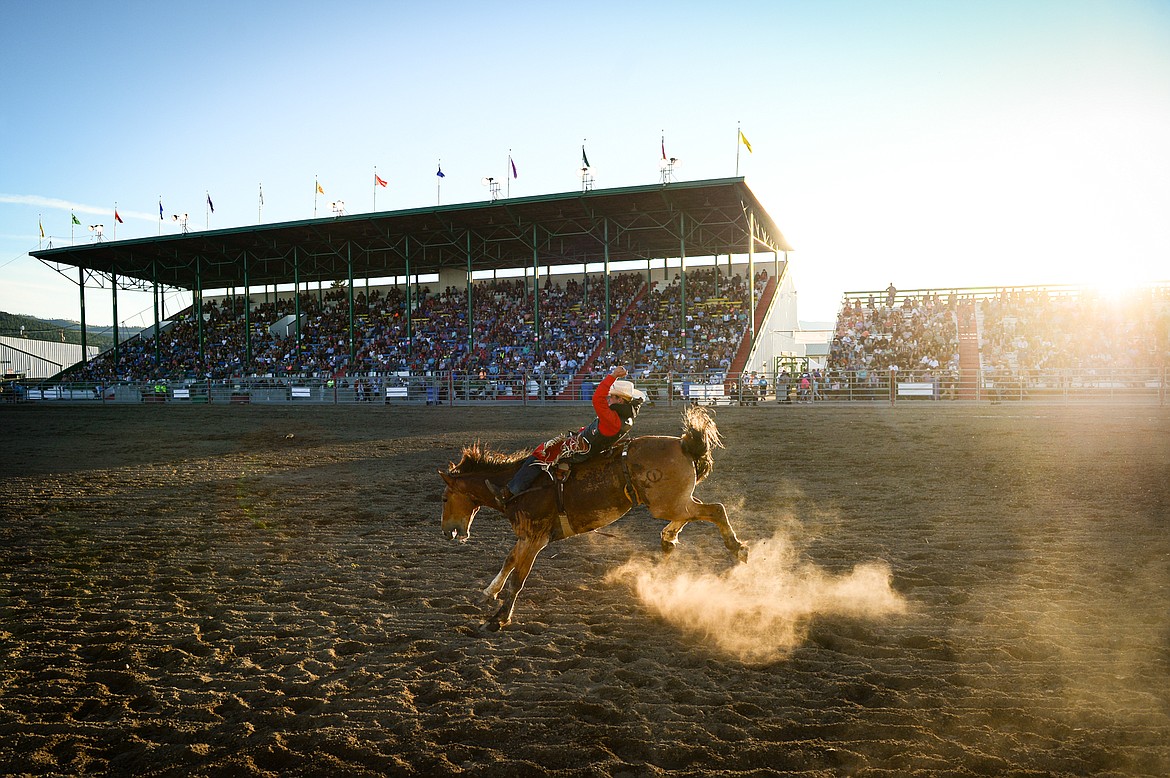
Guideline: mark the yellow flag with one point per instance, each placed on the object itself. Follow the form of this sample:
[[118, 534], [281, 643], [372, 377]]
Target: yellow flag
[[319, 189], [745, 141], [42, 228]]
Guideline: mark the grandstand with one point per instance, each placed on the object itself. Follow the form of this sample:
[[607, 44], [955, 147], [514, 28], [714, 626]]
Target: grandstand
[[449, 290], [532, 299], [1005, 342]]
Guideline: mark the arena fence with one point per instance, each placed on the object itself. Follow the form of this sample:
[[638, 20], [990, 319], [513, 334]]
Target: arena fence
[[446, 389]]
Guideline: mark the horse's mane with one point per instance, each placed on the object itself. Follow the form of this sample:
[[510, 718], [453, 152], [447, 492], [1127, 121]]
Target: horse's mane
[[478, 457]]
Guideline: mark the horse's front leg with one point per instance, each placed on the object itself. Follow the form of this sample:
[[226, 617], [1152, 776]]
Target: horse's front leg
[[525, 553], [496, 586]]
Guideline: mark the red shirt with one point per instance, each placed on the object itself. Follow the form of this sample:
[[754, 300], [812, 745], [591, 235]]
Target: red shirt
[[608, 422]]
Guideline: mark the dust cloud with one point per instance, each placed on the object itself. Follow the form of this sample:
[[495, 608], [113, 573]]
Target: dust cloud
[[758, 612]]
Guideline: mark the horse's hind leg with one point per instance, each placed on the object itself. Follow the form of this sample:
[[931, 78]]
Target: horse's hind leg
[[523, 556], [694, 510], [717, 514], [670, 535]]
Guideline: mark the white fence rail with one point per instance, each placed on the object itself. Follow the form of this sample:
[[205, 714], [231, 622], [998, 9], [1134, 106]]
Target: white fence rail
[[1135, 385]]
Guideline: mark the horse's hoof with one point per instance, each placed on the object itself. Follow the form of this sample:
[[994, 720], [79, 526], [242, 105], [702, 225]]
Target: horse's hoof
[[667, 546], [492, 626], [741, 554]]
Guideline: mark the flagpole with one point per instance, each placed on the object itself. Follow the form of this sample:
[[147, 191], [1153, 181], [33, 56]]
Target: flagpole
[[116, 220], [41, 231], [508, 176], [738, 132], [375, 188], [260, 206], [316, 188], [438, 191], [207, 211]]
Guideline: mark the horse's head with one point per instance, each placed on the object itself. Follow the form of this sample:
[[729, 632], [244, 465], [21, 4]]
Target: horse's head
[[460, 505]]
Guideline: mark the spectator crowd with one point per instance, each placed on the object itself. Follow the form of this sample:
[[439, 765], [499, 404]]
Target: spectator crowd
[[649, 332], [1021, 331]]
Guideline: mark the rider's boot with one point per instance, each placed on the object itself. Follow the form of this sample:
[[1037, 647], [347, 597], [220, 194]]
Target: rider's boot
[[524, 481], [502, 493]]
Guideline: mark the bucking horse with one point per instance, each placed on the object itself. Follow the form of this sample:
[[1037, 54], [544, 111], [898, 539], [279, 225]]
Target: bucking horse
[[657, 471]]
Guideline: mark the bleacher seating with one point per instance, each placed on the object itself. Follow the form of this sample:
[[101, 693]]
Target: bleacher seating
[[647, 333], [933, 334]]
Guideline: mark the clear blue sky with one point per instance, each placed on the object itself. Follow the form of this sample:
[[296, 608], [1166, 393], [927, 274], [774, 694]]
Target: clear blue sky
[[926, 143]]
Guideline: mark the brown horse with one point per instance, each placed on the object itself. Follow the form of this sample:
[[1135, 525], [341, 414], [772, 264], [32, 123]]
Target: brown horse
[[657, 471]]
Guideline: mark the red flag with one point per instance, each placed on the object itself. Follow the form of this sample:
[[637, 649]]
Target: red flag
[[118, 218], [378, 180]]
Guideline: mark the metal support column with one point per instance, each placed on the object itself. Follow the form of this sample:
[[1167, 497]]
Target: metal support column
[[114, 293], [535, 293], [154, 279], [409, 309], [608, 306], [198, 303], [470, 321], [247, 318], [752, 276], [297, 300], [682, 275], [81, 285], [349, 269]]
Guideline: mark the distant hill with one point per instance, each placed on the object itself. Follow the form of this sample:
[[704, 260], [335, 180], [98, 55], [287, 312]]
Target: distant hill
[[15, 325]]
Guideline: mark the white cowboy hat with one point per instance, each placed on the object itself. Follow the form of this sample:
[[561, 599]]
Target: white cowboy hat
[[626, 390]]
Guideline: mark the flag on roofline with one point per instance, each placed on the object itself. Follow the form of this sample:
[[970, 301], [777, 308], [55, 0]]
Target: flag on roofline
[[440, 172], [378, 180], [319, 189], [118, 218], [42, 226], [664, 147], [584, 159], [75, 219], [160, 210], [210, 204], [513, 164], [743, 138]]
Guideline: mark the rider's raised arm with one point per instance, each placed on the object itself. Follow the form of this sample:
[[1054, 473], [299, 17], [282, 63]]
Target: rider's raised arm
[[609, 423]]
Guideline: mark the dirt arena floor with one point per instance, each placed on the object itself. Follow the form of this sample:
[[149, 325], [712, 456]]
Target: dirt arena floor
[[932, 590]]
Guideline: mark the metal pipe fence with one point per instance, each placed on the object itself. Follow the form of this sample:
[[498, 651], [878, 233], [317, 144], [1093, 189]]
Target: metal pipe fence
[[1136, 385]]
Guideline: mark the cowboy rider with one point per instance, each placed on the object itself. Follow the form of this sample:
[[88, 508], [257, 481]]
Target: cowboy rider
[[616, 402]]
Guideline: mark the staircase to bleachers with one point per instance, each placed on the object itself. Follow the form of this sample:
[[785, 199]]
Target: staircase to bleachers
[[969, 367], [572, 389], [761, 314]]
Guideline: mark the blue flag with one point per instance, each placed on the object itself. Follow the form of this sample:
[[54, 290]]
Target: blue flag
[[160, 210], [440, 174]]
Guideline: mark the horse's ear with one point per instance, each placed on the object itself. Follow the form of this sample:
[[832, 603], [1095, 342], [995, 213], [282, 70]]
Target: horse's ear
[[448, 478]]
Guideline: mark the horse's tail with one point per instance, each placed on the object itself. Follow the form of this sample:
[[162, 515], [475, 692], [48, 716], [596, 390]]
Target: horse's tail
[[699, 439]]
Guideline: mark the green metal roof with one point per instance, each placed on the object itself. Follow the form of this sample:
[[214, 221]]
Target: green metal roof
[[708, 218]]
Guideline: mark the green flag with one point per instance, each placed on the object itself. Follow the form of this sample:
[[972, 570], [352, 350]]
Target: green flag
[[75, 218]]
